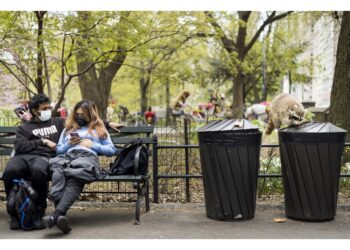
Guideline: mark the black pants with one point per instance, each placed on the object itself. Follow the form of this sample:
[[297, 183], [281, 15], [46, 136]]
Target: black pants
[[71, 193], [34, 168]]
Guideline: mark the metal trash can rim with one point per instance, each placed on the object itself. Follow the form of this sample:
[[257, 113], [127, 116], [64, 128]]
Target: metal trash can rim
[[229, 125], [313, 127]]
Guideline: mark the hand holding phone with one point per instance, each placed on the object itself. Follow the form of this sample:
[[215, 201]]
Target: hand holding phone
[[74, 134], [74, 138]]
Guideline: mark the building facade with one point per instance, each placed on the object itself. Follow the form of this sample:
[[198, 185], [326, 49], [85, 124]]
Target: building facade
[[321, 38]]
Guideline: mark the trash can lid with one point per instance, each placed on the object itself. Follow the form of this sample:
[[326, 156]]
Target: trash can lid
[[314, 127], [229, 125]]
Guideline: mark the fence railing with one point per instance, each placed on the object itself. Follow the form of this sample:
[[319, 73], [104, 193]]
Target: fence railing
[[177, 175], [187, 176]]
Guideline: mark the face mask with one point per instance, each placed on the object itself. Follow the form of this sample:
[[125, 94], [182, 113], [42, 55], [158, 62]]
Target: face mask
[[45, 115], [81, 122]]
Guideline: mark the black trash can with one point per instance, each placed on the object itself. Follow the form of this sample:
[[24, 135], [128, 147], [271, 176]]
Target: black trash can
[[229, 152], [311, 160]]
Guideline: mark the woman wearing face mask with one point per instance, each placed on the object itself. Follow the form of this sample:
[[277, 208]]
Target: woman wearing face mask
[[83, 138]]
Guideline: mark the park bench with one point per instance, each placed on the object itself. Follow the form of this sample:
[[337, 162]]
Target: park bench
[[126, 135]]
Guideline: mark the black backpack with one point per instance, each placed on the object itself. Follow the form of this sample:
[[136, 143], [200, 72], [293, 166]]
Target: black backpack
[[132, 160], [20, 203]]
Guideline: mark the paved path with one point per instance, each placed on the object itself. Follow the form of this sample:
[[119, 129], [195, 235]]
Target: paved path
[[174, 221]]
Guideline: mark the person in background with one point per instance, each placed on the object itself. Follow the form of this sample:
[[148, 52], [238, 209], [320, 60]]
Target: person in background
[[123, 113], [77, 164], [150, 116], [22, 111], [181, 105], [63, 112], [257, 111]]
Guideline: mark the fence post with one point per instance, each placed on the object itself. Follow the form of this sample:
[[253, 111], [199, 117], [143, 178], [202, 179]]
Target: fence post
[[155, 169], [187, 167]]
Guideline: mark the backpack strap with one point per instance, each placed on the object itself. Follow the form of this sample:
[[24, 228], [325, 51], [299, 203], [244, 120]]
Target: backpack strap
[[136, 160], [21, 210], [137, 156]]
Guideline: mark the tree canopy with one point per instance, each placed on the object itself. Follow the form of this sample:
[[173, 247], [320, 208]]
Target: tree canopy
[[134, 57]]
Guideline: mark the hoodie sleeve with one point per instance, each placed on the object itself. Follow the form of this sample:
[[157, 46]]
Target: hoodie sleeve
[[22, 142], [104, 147], [62, 145]]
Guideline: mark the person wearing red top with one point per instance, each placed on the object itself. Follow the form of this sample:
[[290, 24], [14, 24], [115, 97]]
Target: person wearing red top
[[150, 116]]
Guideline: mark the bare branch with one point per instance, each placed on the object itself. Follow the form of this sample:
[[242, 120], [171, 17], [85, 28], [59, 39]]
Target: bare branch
[[229, 44], [7, 66], [19, 67], [271, 18]]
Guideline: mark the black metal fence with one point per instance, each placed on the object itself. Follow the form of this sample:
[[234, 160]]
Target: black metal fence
[[177, 173], [269, 184]]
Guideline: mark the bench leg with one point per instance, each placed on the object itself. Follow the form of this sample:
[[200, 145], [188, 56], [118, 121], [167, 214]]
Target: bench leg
[[141, 191], [147, 196], [138, 205]]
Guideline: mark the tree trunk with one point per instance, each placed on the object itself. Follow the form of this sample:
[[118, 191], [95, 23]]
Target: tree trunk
[[93, 86], [47, 76], [238, 81], [256, 91], [241, 48], [40, 45], [144, 85], [290, 81], [340, 94], [238, 90], [167, 102]]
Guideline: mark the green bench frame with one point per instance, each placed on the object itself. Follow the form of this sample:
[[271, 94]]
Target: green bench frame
[[126, 135]]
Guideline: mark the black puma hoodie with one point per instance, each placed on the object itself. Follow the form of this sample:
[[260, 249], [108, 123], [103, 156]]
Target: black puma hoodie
[[29, 136]]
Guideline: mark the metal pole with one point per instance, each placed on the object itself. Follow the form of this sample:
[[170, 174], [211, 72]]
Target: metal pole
[[187, 167], [155, 169]]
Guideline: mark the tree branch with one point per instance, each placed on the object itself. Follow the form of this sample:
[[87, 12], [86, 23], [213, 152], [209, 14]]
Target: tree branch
[[271, 18], [229, 44], [14, 19], [7, 66]]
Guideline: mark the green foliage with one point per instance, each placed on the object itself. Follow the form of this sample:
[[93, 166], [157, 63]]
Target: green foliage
[[180, 48], [270, 186], [309, 116]]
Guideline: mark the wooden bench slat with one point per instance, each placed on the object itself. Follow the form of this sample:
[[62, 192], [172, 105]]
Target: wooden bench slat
[[116, 178], [7, 140], [134, 129], [4, 129], [130, 178], [5, 151], [126, 140]]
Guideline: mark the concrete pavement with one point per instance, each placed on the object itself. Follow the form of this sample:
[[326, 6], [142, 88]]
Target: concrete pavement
[[181, 221]]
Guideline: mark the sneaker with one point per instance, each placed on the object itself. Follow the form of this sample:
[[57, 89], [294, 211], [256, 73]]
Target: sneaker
[[49, 221], [38, 219], [62, 224], [38, 223], [14, 223]]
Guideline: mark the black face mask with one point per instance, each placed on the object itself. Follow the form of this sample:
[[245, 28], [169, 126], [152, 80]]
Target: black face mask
[[81, 122]]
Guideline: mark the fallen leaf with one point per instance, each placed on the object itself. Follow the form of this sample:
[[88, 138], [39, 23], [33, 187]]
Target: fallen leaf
[[279, 220]]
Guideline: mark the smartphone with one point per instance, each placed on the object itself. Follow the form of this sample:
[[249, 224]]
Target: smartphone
[[74, 134]]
